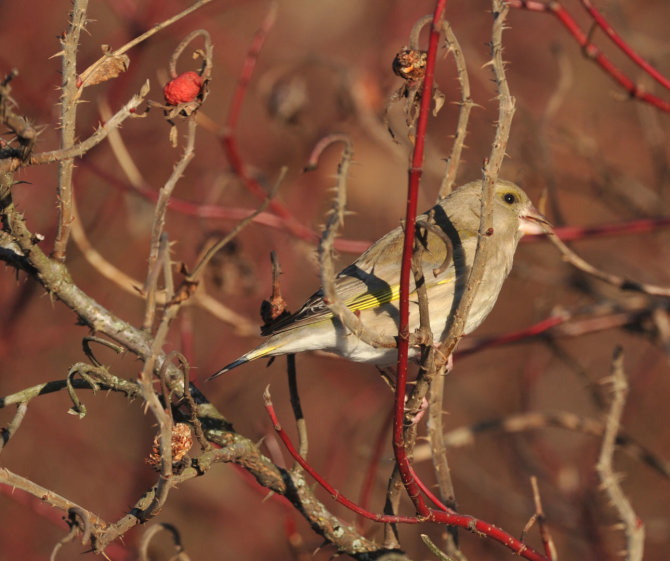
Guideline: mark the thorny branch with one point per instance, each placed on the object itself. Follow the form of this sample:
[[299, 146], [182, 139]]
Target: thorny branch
[[415, 174], [152, 531], [466, 106], [454, 329], [69, 44], [113, 123], [491, 169], [633, 527]]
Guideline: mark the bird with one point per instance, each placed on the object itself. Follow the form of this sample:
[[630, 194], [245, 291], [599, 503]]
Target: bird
[[370, 285]]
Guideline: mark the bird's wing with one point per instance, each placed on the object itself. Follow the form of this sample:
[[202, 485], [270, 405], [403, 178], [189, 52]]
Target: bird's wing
[[357, 289], [373, 280]]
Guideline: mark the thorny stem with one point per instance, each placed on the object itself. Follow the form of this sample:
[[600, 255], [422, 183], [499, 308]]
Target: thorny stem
[[454, 331], [463, 115], [140, 38], [114, 122], [161, 210], [633, 527], [69, 44]]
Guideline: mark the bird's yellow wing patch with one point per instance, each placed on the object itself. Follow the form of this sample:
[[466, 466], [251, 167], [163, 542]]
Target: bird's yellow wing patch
[[373, 299], [377, 298]]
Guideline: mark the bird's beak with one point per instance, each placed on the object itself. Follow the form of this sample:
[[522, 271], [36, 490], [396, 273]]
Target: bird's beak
[[533, 222]]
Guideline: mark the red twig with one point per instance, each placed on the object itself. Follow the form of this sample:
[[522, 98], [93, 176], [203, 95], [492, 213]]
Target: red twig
[[619, 42], [218, 212], [415, 173], [438, 517], [229, 143], [593, 52], [639, 226], [384, 518], [190, 208], [514, 336]]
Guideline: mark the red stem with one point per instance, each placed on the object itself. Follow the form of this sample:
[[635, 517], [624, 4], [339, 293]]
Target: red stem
[[591, 51], [619, 42], [514, 336], [321, 481], [221, 212], [415, 173], [564, 233], [447, 517], [639, 226], [229, 143]]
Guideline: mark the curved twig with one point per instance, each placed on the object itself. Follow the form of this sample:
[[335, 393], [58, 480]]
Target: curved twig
[[206, 70], [352, 322], [6, 433], [152, 531], [85, 526], [466, 106], [78, 408], [85, 344], [618, 281]]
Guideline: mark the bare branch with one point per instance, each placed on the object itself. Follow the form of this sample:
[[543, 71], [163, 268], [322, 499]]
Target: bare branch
[[620, 282], [69, 44], [633, 527], [466, 106], [77, 150]]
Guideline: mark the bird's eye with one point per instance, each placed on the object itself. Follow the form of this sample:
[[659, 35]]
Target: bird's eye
[[509, 198]]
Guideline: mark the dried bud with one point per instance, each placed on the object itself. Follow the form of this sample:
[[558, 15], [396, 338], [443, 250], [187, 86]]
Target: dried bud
[[410, 64], [182, 89], [182, 440]]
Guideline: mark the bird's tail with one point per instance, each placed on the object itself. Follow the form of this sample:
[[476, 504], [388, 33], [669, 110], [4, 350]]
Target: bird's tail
[[266, 349]]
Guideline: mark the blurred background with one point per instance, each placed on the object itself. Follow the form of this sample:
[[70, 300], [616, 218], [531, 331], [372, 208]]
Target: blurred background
[[577, 142]]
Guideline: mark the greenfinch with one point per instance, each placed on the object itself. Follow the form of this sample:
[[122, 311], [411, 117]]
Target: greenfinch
[[370, 286]]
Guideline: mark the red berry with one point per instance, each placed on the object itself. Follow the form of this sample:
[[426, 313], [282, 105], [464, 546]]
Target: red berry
[[183, 88]]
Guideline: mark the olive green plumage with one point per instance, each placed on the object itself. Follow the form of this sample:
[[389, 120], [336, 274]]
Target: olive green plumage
[[369, 286]]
